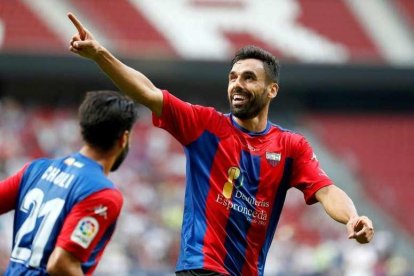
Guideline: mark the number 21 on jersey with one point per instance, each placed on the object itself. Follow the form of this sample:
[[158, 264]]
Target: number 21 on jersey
[[47, 212]]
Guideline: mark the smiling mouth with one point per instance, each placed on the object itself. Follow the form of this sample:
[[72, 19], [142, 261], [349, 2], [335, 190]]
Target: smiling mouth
[[239, 99]]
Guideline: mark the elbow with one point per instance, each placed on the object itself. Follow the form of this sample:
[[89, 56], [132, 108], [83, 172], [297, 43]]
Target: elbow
[[58, 266], [54, 268], [322, 194], [62, 263], [61, 268]]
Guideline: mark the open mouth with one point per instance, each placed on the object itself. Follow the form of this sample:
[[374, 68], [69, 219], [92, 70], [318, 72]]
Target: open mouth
[[239, 99]]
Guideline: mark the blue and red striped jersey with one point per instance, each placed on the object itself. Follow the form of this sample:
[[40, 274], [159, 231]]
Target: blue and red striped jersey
[[66, 202], [236, 183]]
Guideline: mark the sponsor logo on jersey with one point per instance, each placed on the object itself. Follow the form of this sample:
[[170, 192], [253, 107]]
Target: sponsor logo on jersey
[[273, 158], [254, 210], [233, 175], [85, 231]]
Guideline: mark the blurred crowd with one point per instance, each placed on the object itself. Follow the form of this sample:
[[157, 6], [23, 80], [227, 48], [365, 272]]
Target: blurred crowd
[[147, 238]]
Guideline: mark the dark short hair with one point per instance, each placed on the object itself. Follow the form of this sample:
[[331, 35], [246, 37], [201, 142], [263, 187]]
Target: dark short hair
[[104, 116], [271, 64]]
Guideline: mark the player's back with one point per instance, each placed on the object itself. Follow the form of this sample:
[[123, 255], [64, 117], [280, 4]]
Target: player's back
[[48, 190]]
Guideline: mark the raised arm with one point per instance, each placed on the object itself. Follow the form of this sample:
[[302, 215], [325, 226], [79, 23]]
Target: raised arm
[[133, 83], [340, 207]]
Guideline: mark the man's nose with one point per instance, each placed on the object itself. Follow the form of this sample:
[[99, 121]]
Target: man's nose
[[237, 84]]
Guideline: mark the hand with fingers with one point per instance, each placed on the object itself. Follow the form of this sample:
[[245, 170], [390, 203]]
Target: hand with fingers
[[82, 42], [360, 229]]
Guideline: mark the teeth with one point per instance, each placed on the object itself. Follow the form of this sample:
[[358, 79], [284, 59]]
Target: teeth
[[238, 98]]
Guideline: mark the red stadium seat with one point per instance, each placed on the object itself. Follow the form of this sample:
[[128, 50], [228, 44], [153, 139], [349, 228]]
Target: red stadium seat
[[334, 20], [129, 27], [407, 10], [25, 32]]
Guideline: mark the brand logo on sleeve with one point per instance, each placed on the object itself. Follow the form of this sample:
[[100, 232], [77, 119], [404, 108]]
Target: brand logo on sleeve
[[85, 231], [101, 211]]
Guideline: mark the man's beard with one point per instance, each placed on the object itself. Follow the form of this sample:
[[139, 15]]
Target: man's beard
[[121, 157], [251, 108]]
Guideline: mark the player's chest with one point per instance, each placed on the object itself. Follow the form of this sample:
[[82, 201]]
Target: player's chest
[[253, 161]]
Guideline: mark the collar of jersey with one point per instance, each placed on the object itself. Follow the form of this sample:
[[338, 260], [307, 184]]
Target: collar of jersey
[[251, 133], [84, 158]]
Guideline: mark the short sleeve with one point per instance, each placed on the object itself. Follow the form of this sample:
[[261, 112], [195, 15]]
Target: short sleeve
[[88, 222], [9, 190], [307, 174], [183, 120]]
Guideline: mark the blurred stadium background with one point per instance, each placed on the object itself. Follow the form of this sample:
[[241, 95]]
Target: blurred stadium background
[[347, 83]]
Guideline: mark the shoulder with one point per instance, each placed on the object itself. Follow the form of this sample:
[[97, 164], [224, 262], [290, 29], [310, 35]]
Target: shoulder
[[294, 141], [107, 200], [96, 187], [292, 135], [110, 196], [38, 163], [173, 100], [36, 167]]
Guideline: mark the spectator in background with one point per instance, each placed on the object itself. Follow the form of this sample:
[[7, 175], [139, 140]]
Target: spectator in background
[[239, 165], [66, 208]]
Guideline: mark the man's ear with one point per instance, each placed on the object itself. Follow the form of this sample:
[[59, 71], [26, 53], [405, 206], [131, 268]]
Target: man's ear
[[123, 140], [273, 89]]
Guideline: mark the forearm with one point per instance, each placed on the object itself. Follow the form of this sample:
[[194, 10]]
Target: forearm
[[337, 204], [340, 207], [131, 82]]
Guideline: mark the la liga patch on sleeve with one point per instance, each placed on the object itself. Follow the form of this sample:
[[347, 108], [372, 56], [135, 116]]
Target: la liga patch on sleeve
[[85, 231]]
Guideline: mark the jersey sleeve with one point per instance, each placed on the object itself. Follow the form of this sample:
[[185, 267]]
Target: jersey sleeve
[[307, 174], [183, 120], [9, 190], [88, 222]]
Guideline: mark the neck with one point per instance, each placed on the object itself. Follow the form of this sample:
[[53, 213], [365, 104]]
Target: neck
[[256, 124], [106, 159]]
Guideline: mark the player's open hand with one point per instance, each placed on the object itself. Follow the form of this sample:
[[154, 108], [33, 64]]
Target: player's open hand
[[82, 42], [360, 229]]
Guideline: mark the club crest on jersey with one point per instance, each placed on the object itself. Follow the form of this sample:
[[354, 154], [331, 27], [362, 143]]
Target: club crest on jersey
[[85, 231], [273, 158]]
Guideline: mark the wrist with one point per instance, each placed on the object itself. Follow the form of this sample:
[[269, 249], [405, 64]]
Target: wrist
[[101, 54], [352, 218]]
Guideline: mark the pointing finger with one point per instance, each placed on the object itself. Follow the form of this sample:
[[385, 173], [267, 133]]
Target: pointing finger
[[78, 25]]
